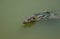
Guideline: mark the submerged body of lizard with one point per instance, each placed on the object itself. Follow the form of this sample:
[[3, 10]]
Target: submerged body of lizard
[[39, 16]]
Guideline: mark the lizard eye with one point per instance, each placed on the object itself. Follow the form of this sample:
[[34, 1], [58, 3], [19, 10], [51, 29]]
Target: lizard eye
[[33, 18]]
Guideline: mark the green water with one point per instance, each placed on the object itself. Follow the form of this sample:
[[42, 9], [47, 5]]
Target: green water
[[13, 12]]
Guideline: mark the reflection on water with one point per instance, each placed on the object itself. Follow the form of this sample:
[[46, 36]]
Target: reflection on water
[[47, 29], [28, 25]]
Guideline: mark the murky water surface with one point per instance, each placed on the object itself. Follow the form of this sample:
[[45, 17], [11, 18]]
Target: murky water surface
[[13, 12]]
